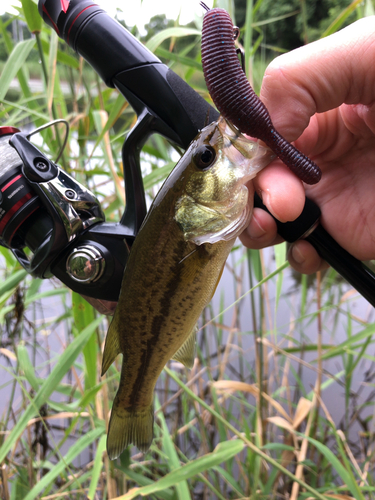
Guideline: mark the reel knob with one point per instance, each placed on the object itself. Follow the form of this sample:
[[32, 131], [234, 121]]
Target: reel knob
[[85, 264]]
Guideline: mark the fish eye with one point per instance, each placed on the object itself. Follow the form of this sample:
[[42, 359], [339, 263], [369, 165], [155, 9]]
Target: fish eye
[[204, 157]]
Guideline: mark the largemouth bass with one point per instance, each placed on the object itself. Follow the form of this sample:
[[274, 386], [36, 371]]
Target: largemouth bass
[[173, 269]]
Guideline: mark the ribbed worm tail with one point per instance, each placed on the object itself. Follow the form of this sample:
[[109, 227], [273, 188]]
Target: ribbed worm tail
[[302, 166]]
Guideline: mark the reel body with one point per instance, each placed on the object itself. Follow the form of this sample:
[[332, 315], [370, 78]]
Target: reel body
[[54, 225]]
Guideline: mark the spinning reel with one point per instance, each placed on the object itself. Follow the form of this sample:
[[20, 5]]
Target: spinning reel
[[54, 225]]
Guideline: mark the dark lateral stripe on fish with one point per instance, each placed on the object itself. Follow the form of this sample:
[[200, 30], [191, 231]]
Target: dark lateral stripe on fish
[[158, 321]]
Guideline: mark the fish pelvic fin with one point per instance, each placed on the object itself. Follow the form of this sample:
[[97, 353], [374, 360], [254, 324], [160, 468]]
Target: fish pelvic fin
[[112, 346], [186, 353], [129, 426]]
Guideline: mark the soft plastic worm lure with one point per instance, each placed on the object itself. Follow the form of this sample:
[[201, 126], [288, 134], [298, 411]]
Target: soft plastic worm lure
[[236, 100]]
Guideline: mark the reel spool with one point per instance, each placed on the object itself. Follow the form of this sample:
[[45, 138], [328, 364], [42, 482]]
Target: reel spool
[[18, 201]]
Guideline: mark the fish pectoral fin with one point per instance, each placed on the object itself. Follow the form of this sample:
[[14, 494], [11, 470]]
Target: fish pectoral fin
[[218, 281], [112, 346], [186, 353]]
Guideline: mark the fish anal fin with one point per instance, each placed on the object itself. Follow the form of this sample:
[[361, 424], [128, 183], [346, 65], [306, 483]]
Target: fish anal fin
[[129, 426], [112, 346], [186, 353]]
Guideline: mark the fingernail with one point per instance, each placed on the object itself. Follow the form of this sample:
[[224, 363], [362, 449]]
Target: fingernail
[[297, 255], [266, 198], [255, 230]]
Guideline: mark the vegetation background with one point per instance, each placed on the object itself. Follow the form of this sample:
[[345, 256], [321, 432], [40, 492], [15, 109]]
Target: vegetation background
[[279, 403]]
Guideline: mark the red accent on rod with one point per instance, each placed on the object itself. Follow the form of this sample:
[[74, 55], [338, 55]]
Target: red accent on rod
[[75, 19], [65, 5], [50, 18]]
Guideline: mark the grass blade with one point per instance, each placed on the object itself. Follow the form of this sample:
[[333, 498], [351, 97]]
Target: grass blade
[[350, 342], [26, 366], [346, 475], [221, 453], [14, 63], [176, 57], [145, 481], [280, 253], [12, 281], [63, 364], [84, 315], [254, 448], [177, 31], [182, 488], [98, 464], [51, 68], [74, 450], [338, 22], [32, 16]]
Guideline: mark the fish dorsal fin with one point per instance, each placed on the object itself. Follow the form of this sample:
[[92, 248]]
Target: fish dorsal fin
[[186, 353], [112, 346]]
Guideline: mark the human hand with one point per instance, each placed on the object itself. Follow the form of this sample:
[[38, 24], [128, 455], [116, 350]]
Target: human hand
[[326, 92]]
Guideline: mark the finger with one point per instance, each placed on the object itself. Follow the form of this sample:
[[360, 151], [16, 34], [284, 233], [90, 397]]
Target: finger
[[281, 191], [321, 76], [305, 259], [359, 119], [283, 195], [261, 232]]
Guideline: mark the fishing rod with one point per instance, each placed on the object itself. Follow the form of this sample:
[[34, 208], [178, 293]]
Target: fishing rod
[[67, 238], [45, 210], [307, 226]]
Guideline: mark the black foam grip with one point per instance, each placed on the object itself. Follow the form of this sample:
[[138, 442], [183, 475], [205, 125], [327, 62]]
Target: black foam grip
[[293, 231], [198, 110], [353, 270]]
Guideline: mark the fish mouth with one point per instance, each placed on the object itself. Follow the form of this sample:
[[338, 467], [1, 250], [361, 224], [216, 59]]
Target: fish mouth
[[242, 150]]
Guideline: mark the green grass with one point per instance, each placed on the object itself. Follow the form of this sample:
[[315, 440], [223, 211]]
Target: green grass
[[279, 403]]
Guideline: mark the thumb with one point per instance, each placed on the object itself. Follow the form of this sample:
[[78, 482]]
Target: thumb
[[321, 76]]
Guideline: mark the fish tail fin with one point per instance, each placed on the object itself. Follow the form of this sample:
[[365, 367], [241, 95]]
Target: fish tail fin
[[112, 346], [129, 426]]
